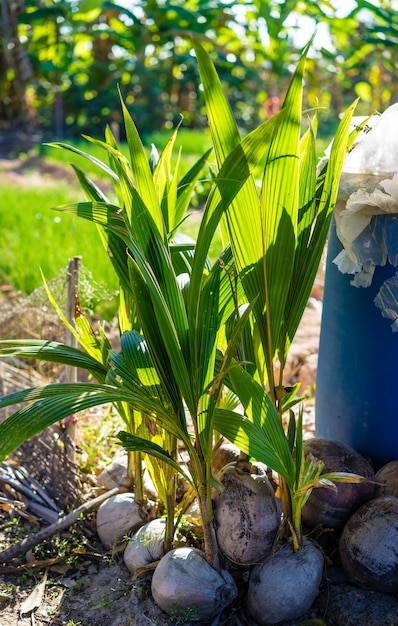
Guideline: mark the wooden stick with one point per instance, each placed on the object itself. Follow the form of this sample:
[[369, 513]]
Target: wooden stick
[[64, 522], [70, 340]]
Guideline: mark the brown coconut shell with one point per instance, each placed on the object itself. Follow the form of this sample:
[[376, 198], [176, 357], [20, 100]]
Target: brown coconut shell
[[368, 545], [146, 545], [387, 476], [118, 516], [328, 507], [285, 585], [185, 585], [247, 515]]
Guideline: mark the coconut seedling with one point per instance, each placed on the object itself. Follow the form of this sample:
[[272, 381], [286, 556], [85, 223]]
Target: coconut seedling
[[277, 237], [167, 369], [165, 195], [332, 508], [247, 513], [178, 356], [295, 564]]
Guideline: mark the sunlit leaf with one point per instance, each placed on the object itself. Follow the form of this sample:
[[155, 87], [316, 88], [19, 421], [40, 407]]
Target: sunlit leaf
[[133, 444]]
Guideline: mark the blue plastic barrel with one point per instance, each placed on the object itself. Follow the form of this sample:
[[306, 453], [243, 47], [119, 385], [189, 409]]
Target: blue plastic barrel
[[357, 375]]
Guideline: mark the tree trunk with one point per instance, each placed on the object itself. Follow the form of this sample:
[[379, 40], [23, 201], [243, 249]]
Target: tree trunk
[[15, 69]]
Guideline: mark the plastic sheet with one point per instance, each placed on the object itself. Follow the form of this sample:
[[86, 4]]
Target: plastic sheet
[[366, 213]]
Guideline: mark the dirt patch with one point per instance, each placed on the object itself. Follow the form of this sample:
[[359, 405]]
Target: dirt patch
[[100, 592], [34, 171]]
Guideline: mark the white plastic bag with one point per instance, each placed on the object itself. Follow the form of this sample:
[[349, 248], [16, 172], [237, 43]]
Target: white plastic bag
[[366, 213]]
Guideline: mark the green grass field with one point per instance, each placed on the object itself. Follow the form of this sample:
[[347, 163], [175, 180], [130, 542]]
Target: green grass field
[[37, 238]]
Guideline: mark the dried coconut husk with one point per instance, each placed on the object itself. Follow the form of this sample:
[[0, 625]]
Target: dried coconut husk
[[116, 475], [117, 517], [285, 585], [184, 584], [247, 514], [387, 479], [146, 545], [368, 545], [223, 454], [328, 507]]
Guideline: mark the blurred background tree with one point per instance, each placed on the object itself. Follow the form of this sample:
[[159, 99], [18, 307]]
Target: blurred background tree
[[62, 60]]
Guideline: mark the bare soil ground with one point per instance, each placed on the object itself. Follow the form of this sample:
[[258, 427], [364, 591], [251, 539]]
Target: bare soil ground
[[86, 586]]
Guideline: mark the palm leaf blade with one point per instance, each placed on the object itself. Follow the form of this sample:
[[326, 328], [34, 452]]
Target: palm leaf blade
[[52, 352], [47, 405]]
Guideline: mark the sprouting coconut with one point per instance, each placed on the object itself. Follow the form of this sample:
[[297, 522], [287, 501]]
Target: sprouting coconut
[[387, 480], [118, 516], [247, 514], [184, 584], [368, 545], [332, 508], [285, 585], [146, 545]]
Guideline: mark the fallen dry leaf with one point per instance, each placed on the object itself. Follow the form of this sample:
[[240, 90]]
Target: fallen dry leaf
[[34, 600]]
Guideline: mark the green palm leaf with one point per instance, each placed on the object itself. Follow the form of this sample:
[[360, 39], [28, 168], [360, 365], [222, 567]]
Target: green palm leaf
[[186, 187], [47, 405], [154, 263], [89, 157], [213, 306], [51, 403], [133, 369], [258, 433], [225, 138], [279, 211], [142, 175], [53, 352], [82, 331], [160, 332], [102, 213], [91, 190], [166, 184], [137, 444], [259, 408], [312, 235], [112, 243], [235, 172], [262, 233], [223, 129]]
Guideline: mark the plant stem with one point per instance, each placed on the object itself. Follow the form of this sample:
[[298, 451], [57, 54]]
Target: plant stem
[[296, 523], [130, 469], [136, 459], [285, 499], [210, 542], [139, 495], [170, 496], [203, 489], [169, 529], [70, 340]]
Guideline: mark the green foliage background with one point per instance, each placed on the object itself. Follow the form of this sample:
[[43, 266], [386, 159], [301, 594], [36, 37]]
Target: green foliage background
[[61, 61]]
